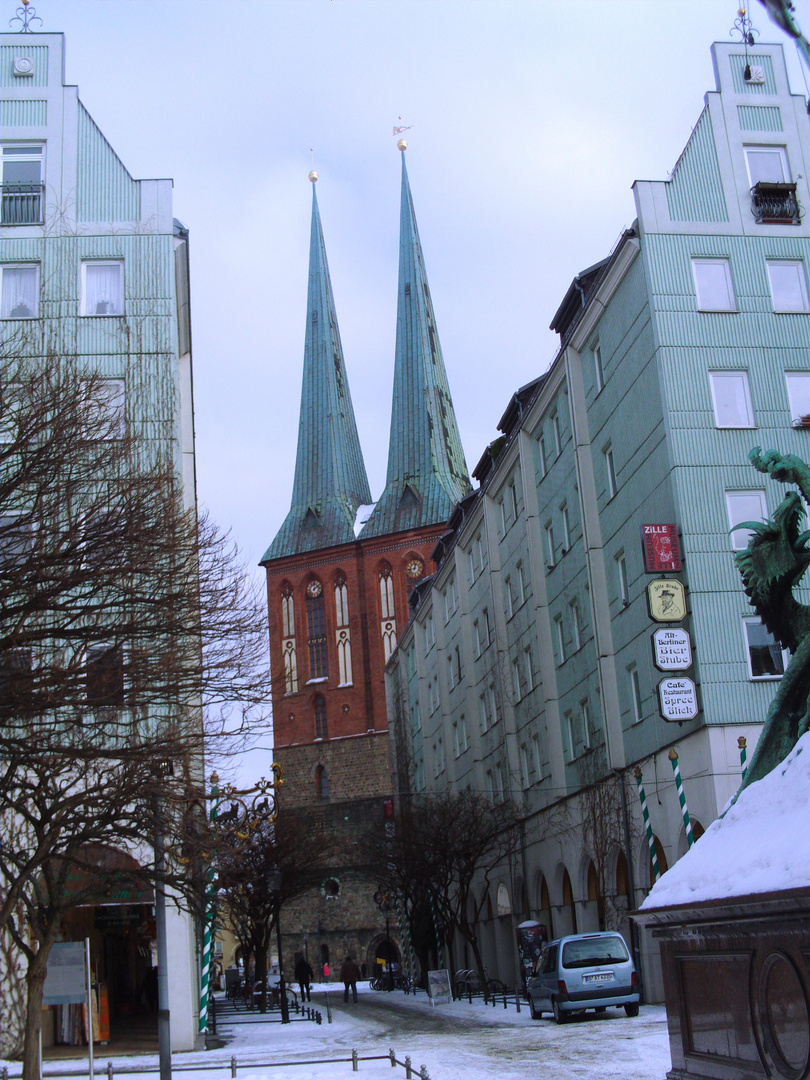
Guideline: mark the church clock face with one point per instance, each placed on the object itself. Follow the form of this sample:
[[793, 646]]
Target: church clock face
[[314, 589], [414, 569]]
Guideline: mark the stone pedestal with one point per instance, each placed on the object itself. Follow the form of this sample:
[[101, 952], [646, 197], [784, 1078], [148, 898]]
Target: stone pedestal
[[737, 985]]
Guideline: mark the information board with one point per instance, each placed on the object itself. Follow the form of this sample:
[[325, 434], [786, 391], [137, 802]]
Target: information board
[[65, 974], [678, 699], [439, 987]]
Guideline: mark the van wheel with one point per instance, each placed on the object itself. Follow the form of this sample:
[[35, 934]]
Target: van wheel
[[535, 1013], [631, 1008], [601, 1009], [559, 1016]]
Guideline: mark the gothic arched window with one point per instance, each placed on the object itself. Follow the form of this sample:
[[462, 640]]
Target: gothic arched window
[[343, 634], [388, 625], [321, 782], [321, 731], [288, 649], [316, 631]]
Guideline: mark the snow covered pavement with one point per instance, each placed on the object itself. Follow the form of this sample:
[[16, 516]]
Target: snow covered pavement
[[457, 1041]]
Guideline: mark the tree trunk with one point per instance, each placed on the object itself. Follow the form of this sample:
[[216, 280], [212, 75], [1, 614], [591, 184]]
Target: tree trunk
[[35, 983], [261, 976]]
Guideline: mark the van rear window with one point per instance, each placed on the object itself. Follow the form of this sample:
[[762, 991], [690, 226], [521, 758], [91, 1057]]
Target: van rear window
[[597, 950]]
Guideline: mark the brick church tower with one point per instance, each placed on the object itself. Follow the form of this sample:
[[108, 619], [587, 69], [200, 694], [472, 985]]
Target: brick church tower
[[339, 573]]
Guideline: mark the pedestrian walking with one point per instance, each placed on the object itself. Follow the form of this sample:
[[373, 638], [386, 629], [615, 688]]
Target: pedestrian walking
[[303, 976], [349, 973]]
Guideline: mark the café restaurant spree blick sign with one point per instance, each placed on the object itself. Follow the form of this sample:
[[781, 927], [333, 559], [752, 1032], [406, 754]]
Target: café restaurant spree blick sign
[[662, 553]]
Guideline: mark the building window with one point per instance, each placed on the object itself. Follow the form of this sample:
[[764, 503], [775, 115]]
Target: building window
[[107, 412], [568, 734], [507, 589], [766, 658], [321, 730], [635, 694], [450, 598], [460, 738], [477, 638], [713, 285], [322, 786], [585, 721], [576, 625], [290, 667], [555, 428], [287, 613], [513, 500], [560, 635], [516, 680], [316, 631], [732, 399], [288, 641], [598, 373], [430, 632], [538, 765], [22, 185], [798, 389], [524, 766], [541, 454], [341, 603], [788, 284], [528, 672], [485, 630], [521, 585], [549, 534], [343, 639], [566, 528], [388, 625], [102, 288], [502, 515], [20, 292], [16, 690], [621, 578], [105, 675], [744, 506], [766, 164], [610, 472]]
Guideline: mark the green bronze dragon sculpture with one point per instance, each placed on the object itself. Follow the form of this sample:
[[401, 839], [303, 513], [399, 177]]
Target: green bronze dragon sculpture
[[772, 567]]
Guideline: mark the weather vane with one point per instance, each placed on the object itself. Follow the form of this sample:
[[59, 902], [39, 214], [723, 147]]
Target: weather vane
[[398, 129], [25, 16], [745, 28]]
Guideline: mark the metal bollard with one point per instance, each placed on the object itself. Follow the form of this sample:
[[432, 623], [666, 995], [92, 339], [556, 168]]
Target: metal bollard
[[391, 1054], [233, 1066], [423, 1073], [408, 1073], [4, 1072], [109, 1070], [354, 1061], [328, 1008], [517, 1000]]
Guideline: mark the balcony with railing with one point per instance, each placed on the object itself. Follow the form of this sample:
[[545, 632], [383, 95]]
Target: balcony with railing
[[775, 204], [22, 204]]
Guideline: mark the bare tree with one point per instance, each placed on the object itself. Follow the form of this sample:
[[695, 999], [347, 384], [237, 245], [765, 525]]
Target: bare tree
[[444, 846], [124, 619]]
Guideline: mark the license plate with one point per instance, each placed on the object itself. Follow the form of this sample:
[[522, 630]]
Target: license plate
[[601, 976]]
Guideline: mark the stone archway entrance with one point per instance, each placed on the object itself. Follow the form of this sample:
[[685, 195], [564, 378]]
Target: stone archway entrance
[[384, 956]]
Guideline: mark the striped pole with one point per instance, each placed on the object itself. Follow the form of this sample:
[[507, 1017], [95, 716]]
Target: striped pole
[[742, 743], [439, 942], [646, 815], [405, 934], [208, 925], [687, 824]]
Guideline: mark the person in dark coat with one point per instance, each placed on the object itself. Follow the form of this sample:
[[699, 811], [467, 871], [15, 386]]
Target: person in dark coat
[[303, 976], [349, 973]]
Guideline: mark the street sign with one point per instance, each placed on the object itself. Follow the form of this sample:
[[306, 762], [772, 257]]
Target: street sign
[[662, 553], [672, 649], [667, 600], [677, 699]]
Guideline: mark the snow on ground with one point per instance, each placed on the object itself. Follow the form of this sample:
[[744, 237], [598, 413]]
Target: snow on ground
[[758, 846], [457, 1041]]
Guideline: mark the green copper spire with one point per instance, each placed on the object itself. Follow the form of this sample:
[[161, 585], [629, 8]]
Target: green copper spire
[[330, 477], [427, 473]]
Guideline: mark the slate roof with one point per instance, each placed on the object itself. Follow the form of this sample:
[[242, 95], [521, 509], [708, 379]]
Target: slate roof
[[330, 477], [427, 473]]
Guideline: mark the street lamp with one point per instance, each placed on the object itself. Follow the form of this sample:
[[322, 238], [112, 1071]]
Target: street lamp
[[274, 884], [385, 903]]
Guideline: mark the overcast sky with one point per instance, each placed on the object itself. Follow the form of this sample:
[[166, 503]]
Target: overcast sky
[[530, 121]]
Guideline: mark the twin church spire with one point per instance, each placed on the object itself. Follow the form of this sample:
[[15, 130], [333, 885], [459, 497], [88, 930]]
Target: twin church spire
[[427, 473]]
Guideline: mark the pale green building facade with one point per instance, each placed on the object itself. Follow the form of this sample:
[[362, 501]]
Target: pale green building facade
[[529, 666]]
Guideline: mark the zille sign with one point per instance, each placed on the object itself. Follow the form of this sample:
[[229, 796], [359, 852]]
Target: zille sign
[[662, 554], [667, 600]]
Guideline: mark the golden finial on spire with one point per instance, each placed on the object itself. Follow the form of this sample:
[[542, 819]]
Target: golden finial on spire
[[313, 176], [402, 145]]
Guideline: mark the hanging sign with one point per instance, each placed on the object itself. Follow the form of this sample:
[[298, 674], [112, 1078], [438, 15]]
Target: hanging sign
[[677, 699], [667, 600], [662, 553], [672, 649]]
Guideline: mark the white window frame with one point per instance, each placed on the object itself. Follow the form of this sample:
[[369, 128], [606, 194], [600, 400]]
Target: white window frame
[[715, 379], [548, 530], [767, 148], [585, 718], [524, 766], [502, 512], [521, 585], [541, 454], [560, 632], [798, 391], [598, 370], [528, 668], [621, 574], [780, 307], [487, 628], [749, 620], [739, 538], [566, 527], [555, 427], [610, 471], [568, 718], [122, 295], [538, 765], [576, 625], [636, 700], [11, 266], [703, 302], [516, 679]]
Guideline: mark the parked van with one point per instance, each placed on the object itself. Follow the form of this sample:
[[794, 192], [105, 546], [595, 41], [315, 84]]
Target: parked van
[[583, 971]]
